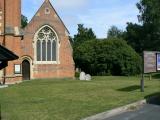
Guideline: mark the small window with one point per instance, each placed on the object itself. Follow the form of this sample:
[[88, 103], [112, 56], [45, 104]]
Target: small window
[[47, 11]]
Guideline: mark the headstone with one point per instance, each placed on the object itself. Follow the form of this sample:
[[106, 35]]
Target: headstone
[[82, 76], [77, 69], [88, 77]]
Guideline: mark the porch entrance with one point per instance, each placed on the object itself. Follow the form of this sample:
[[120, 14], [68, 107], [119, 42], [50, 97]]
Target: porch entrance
[[26, 70]]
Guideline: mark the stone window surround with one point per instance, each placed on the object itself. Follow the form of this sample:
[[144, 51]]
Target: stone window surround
[[35, 48]]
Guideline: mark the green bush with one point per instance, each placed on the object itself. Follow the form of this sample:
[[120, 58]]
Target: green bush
[[107, 57], [77, 74]]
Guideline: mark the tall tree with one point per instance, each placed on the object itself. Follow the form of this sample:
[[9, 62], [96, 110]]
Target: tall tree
[[150, 18], [135, 37], [114, 32], [24, 21], [149, 10], [84, 34], [145, 36]]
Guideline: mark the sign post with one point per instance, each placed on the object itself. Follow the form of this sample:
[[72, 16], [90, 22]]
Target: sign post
[[142, 83]]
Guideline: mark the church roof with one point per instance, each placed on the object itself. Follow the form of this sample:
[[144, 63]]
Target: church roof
[[7, 55]]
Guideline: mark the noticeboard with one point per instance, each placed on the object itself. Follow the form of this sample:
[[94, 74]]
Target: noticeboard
[[158, 61], [150, 61], [17, 69], [151, 64]]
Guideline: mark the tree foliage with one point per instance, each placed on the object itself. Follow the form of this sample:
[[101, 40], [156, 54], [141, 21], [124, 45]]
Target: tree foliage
[[114, 32], [84, 34], [135, 37], [24, 21], [150, 17], [149, 10], [147, 35]]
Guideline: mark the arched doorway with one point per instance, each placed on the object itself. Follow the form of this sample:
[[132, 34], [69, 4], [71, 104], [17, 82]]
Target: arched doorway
[[26, 70]]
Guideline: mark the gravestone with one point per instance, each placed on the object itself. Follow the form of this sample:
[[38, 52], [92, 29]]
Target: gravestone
[[82, 76], [88, 77]]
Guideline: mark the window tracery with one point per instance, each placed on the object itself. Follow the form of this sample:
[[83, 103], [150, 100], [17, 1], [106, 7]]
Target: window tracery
[[46, 45]]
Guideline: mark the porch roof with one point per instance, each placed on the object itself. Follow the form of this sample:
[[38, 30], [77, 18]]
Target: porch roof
[[7, 55]]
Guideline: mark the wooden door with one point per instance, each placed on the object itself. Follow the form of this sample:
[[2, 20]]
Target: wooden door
[[26, 70]]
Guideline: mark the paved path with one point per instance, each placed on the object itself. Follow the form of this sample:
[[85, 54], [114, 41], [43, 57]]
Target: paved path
[[147, 112]]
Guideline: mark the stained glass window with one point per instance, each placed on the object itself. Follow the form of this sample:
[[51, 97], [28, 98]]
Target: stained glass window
[[44, 50], [38, 50], [46, 45], [49, 50], [54, 50]]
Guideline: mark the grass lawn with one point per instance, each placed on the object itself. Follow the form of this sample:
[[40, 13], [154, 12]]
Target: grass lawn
[[71, 99]]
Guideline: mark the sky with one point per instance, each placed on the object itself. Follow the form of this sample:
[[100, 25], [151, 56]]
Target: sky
[[99, 15]]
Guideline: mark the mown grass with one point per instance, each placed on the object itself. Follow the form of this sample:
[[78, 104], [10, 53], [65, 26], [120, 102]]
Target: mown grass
[[71, 99]]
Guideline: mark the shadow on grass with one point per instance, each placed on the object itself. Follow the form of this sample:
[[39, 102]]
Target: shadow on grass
[[130, 88], [153, 98], [156, 76]]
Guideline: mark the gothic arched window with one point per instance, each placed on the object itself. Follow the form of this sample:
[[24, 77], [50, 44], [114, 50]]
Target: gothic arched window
[[46, 45]]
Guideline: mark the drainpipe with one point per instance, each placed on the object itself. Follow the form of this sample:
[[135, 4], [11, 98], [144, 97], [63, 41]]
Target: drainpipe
[[4, 38]]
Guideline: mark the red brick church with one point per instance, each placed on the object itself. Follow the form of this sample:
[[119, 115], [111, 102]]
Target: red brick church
[[43, 46]]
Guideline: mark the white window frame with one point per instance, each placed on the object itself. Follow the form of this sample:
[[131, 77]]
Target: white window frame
[[35, 48]]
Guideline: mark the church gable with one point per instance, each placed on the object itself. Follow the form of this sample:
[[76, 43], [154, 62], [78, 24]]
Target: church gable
[[47, 15], [46, 42]]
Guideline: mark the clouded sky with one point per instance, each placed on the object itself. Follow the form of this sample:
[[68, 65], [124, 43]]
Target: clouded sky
[[97, 14]]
